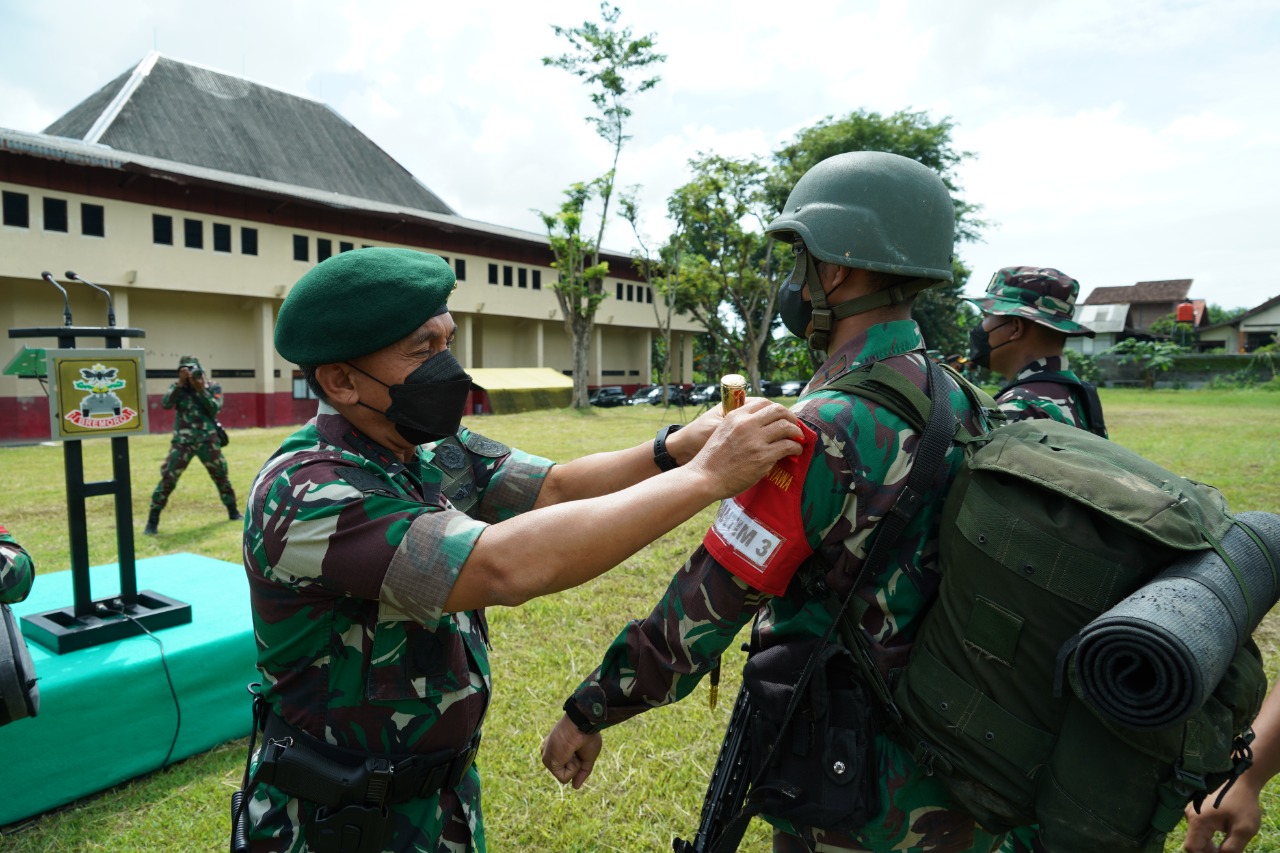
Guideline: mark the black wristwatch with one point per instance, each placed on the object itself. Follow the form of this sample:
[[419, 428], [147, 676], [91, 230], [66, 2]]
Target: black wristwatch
[[664, 460], [579, 719]]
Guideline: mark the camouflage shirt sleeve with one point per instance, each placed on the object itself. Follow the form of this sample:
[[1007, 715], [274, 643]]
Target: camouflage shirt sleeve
[[169, 400], [16, 569], [334, 529]]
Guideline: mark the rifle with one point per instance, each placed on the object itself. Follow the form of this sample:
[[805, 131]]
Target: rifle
[[727, 790]]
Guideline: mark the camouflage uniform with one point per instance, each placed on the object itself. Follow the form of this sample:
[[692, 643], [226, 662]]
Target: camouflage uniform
[[16, 569], [1045, 397], [351, 555], [863, 454], [194, 434], [1046, 296]]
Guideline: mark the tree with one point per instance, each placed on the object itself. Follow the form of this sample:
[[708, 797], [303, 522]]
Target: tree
[[944, 319], [1218, 314], [662, 274], [1151, 357], [729, 271], [607, 58]]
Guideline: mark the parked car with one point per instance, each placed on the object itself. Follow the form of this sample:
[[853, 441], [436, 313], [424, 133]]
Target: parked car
[[705, 394], [792, 387], [769, 388], [640, 395], [607, 396], [653, 395]]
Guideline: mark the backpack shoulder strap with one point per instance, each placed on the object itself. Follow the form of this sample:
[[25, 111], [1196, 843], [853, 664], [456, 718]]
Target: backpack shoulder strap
[[881, 384]]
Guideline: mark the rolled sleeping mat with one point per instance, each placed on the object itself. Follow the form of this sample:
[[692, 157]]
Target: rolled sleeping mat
[[1152, 660]]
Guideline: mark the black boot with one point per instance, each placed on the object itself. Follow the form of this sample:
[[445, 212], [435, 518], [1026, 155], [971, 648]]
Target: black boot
[[233, 514], [153, 521]]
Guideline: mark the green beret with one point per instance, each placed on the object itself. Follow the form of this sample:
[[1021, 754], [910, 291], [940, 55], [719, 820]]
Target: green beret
[[358, 302]]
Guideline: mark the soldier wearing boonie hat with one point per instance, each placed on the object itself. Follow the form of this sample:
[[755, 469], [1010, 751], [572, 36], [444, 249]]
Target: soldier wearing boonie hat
[[369, 573], [1028, 315]]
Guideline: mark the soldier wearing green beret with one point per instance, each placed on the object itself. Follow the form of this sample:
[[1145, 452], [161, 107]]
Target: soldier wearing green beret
[[196, 402], [378, 533], [1027, 320]]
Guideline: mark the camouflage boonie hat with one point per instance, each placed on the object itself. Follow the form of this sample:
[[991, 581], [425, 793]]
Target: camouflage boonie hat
[[1040, 294]]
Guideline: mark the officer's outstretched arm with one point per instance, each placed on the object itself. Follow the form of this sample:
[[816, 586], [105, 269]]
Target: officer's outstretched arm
[[569, 754], [605, 473], [556, 547]]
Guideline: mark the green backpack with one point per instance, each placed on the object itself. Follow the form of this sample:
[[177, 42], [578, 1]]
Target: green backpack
[[1050, 537]]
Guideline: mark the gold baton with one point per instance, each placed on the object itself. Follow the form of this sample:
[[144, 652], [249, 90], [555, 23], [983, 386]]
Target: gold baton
[[733, 392]]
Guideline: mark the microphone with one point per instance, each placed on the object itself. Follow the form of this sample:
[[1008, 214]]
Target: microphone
[[66, 303], [111, 307]]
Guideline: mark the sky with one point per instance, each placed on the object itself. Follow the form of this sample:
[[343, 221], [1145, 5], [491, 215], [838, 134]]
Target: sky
[[1118, 142]]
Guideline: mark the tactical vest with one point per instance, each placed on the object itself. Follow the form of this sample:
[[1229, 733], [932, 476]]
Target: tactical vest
[[1049, 536]]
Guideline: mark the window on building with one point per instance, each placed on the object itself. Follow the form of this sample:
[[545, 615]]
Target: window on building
[[221, 237], [344, 246], [523, 277], [301, 251], [55, 214], [648, 295], [162, 229], [193, 233], [630, 295], [301, 390], [619, 290], [324, 249], [493, 273], [93, 220], [460, 269], [248, 241], [537, 279], [506, 276], [16, 210]]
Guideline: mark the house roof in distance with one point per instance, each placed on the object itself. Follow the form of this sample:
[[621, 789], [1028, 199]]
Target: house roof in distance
[[1171, 290], [185, 113]]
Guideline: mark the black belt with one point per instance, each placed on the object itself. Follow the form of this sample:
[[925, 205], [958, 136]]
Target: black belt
[[306, 767]]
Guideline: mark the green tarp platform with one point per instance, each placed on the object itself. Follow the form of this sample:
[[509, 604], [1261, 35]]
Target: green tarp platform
[[523, 389], [106, 713]]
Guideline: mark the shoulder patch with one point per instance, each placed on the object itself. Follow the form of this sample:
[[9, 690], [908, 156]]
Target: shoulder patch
[[367, 482], [449, 455], [482, 446]]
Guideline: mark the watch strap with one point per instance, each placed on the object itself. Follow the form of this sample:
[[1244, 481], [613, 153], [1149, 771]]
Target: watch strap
[[579, 719], [661, 456]]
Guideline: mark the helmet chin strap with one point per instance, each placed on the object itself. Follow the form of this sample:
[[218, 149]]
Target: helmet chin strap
[[825, 315]]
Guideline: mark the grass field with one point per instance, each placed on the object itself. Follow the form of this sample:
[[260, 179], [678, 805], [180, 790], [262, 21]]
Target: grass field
[[650, 780]]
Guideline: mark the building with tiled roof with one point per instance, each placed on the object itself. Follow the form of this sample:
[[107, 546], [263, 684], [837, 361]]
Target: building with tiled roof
[[198, 198], [1117, 313]]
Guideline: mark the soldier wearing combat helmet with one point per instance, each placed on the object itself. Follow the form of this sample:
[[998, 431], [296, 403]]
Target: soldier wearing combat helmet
[[869, 230], [1027, 319], [378, 533]]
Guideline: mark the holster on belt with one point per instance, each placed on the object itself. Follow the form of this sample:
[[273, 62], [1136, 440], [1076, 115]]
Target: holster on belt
[[350, 789]]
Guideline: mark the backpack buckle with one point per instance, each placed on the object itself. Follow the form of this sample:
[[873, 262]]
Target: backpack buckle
[[1185, 782]]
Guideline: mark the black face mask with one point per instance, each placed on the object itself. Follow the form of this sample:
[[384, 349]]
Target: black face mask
[[428, 405], [980, 347], [796, 311]]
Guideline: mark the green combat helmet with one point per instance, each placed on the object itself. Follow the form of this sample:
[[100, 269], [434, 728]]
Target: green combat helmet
[[870, 210], [1040, 294]]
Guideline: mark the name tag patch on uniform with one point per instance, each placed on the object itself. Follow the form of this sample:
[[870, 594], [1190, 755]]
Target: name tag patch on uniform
[[750, 539]]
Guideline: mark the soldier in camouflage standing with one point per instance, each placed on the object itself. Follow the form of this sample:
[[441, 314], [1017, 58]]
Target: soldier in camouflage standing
[[16, 569], [195, 433], [379, 532], [1027, 320], [870, 230]]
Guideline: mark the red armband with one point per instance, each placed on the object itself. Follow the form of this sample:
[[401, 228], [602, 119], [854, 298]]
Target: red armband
[[759, 535]]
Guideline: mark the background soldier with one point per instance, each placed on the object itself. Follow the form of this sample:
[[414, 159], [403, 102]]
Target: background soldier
[[1022, 336], [195, 433], [16, 569], [870, 230], [368, 579]]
